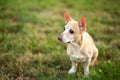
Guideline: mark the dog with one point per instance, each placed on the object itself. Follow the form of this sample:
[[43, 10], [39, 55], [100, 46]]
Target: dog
[[81, 47]]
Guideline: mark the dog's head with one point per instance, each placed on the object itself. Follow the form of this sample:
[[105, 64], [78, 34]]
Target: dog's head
[[73, 29]]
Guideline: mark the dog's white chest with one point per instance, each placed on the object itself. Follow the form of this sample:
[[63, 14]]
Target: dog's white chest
[[75, 53], [79, 57]]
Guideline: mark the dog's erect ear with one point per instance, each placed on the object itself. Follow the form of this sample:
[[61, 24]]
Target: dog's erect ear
[[82, 23], [66, 16]]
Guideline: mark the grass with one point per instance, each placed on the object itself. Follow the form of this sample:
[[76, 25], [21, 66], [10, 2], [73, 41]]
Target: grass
[[29, 48]]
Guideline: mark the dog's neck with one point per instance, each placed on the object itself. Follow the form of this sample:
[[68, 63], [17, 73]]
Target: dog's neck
[[78, 42]]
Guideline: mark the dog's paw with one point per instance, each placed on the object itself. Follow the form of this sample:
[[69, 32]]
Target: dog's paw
[[71, 71], [86, 74]]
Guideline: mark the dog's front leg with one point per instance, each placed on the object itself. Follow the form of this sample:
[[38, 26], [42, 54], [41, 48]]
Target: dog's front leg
[[73, 68], [86, 67]]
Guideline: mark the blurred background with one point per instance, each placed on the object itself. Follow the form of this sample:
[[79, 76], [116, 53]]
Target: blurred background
[[29, 49]]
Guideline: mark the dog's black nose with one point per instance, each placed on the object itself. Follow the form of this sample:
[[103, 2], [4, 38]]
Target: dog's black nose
[[60, 37]]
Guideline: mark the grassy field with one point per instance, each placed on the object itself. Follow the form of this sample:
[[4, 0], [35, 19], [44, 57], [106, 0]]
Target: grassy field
[[29, 49]]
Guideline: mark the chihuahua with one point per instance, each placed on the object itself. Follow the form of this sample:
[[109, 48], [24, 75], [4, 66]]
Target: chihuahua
[[81, 47]]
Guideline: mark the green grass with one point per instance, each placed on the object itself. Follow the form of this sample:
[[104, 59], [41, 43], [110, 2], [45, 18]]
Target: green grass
[[29, 48]]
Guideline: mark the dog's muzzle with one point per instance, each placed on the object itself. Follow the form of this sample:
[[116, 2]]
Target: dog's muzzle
[[60, 38]]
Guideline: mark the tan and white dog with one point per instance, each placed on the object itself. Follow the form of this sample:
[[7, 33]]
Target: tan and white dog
[[81, 47]]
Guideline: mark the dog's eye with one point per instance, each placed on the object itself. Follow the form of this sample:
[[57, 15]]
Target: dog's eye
[[71, 31]]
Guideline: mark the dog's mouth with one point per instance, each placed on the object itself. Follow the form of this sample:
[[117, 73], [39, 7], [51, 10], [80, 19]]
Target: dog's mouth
[[69, 42], [65, 41]]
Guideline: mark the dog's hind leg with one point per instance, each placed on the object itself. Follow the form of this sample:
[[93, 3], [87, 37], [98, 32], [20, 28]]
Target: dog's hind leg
[[94, 57]]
